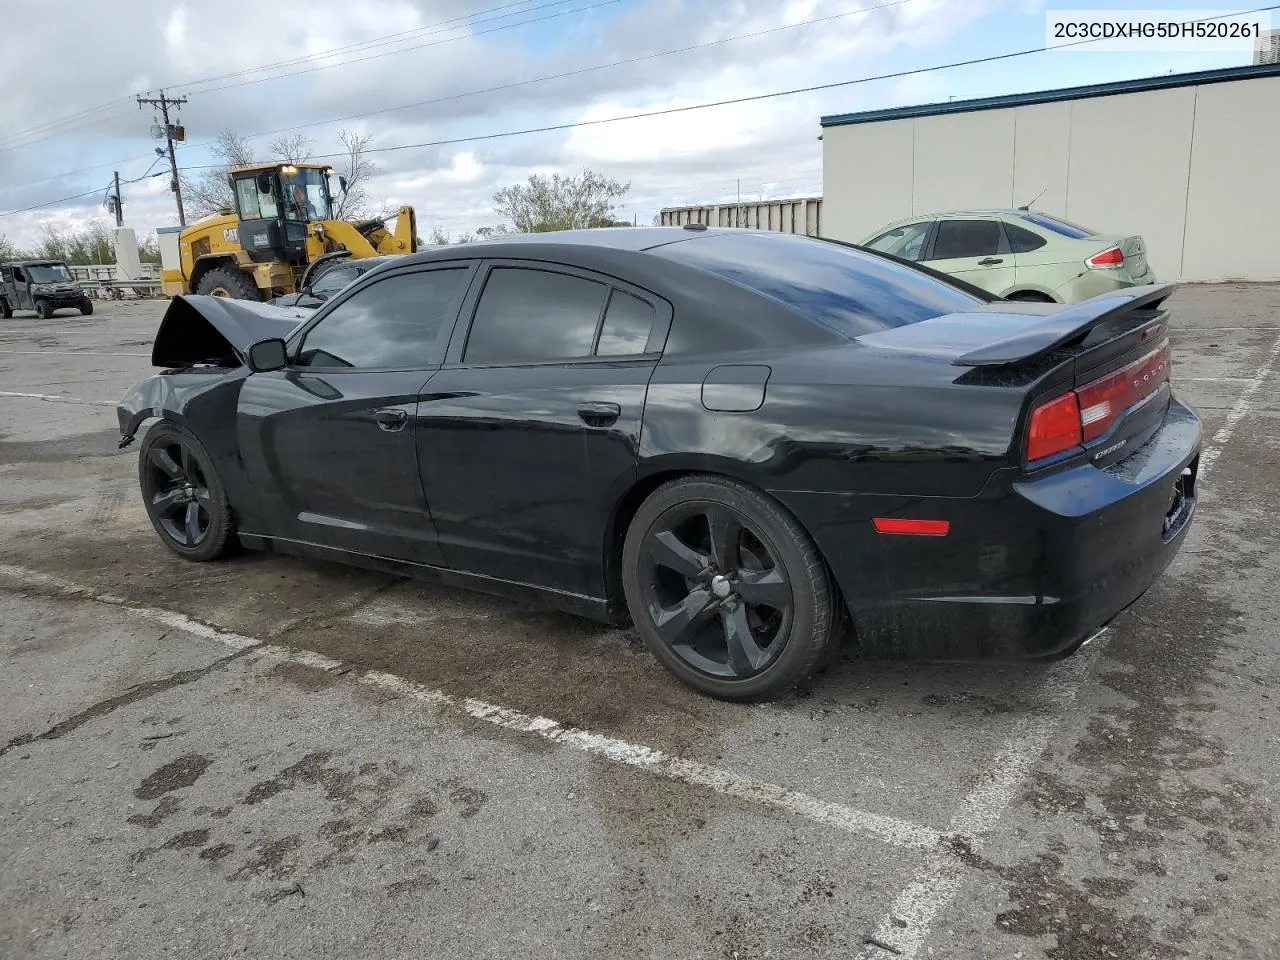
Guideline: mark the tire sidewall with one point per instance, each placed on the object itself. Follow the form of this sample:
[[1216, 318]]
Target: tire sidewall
[[231, 280], [812, 610], [221, 527], [44, 309]]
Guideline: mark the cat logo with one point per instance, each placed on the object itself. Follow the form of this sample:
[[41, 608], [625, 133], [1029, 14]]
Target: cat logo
[[231, 235]]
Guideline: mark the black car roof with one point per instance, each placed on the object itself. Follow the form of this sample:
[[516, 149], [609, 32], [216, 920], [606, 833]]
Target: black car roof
[[627, 239]]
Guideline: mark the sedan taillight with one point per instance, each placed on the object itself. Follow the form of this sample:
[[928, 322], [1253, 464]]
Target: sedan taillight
[[1087, 412], [1108, 259]]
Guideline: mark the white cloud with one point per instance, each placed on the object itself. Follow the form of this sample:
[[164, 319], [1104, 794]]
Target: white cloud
[[770, 145]]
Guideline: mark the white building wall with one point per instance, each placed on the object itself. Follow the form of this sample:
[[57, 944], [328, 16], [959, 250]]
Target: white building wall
[[1193, 169]]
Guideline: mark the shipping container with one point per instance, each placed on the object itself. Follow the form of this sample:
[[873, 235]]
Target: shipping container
[[801, 215]]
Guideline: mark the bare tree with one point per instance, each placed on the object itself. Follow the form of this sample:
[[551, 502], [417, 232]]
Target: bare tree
[[210, 194], [8, 250], [561, 203], [356, 169], [291, 148]]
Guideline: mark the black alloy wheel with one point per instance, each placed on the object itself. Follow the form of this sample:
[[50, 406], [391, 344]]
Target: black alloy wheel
[[183, 495], [727, 589]]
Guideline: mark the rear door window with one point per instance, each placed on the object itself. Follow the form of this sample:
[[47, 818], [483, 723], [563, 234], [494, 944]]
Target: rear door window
[[1022, 241], [959, 239], [628, 324], [530, 315]]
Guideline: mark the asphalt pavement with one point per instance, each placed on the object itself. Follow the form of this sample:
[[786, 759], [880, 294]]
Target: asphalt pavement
[[270, 757]]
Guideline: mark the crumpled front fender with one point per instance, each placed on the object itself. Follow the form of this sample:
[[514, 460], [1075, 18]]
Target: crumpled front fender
[[168, 396]]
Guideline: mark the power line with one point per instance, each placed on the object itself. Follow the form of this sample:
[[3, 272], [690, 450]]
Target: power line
[[49, 130], [420, 46], [425, 29], [582, 70], [667, 111]]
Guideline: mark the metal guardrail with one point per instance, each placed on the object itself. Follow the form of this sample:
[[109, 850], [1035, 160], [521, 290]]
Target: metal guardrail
[[117, 289]]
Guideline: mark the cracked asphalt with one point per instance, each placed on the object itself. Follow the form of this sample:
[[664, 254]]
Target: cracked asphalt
[[277, 758]]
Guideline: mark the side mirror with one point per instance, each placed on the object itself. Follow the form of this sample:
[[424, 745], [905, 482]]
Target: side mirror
[[266, 355], [342, 182]]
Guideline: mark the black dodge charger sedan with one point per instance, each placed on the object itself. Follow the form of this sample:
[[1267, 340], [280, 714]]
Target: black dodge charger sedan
[[743, 440]]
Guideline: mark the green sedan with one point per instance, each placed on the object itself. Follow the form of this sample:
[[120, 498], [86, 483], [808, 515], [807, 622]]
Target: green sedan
[[1019, 254]]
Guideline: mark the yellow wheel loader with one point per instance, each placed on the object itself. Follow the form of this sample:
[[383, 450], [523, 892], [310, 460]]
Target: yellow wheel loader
[[280, 236]]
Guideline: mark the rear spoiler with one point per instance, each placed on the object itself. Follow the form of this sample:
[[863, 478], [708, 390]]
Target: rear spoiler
[[1063, 326]]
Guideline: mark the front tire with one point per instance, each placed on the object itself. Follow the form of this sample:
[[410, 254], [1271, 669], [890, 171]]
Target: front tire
[[183, 494], [86, 306], [727, 589], [44, 309], [228, 282]]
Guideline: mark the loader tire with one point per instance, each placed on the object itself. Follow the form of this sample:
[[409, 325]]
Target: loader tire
[[228, 282]]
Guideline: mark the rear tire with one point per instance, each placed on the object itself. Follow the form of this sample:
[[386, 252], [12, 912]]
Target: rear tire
[[6, 311], [228, 282], [44, 309], [727, 589], [183, 495], [86, 306]]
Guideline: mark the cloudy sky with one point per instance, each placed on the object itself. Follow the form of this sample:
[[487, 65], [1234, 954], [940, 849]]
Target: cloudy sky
[[409, 72]]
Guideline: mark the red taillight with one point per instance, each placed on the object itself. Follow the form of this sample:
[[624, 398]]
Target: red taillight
[[1088, 412], [921, 528], [1103, 401], [1113, 257], [1055, 426]]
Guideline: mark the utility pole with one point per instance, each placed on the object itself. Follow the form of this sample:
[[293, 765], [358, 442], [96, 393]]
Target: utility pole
[[164, 103], [119, 203]]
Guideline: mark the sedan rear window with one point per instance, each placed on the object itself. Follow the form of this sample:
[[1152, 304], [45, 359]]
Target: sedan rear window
[[1072, 230], [846, 290]]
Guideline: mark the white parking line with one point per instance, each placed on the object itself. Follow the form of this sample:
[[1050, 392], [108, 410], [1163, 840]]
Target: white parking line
[[899, 833], [57, 398], [69, 353], [936, 883]]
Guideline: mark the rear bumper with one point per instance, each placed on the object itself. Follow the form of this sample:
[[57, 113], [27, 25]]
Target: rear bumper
[[1029, 569]]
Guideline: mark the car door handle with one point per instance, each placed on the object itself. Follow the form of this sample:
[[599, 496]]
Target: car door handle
[[990, 261], [599, 414], [391, 419]]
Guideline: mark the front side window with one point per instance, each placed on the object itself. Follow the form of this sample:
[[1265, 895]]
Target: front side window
[[333, 280], [306, 195], [905, 242], [968, 238], [527, 316], [395, 323]]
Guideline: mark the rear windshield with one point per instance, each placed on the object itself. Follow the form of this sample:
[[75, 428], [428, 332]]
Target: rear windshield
[[847, 290], [1072, 230]]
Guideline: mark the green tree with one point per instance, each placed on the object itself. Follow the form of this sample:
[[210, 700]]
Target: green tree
[[91, 245], [8, 250], [561, 203]]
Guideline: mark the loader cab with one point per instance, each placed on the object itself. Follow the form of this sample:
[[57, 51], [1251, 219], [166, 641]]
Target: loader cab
[[276, 204]]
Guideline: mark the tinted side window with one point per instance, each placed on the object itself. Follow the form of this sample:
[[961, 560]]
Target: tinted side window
[[1022, 241], [527, 315], [968, 238], [627, 324], [394, 323], [333, 280]]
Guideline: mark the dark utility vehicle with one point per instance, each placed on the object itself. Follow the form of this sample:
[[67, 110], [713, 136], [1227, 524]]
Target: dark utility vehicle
[[40, 285]]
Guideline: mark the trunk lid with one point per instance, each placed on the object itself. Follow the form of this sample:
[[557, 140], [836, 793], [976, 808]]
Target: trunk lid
[[1111, 351]]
